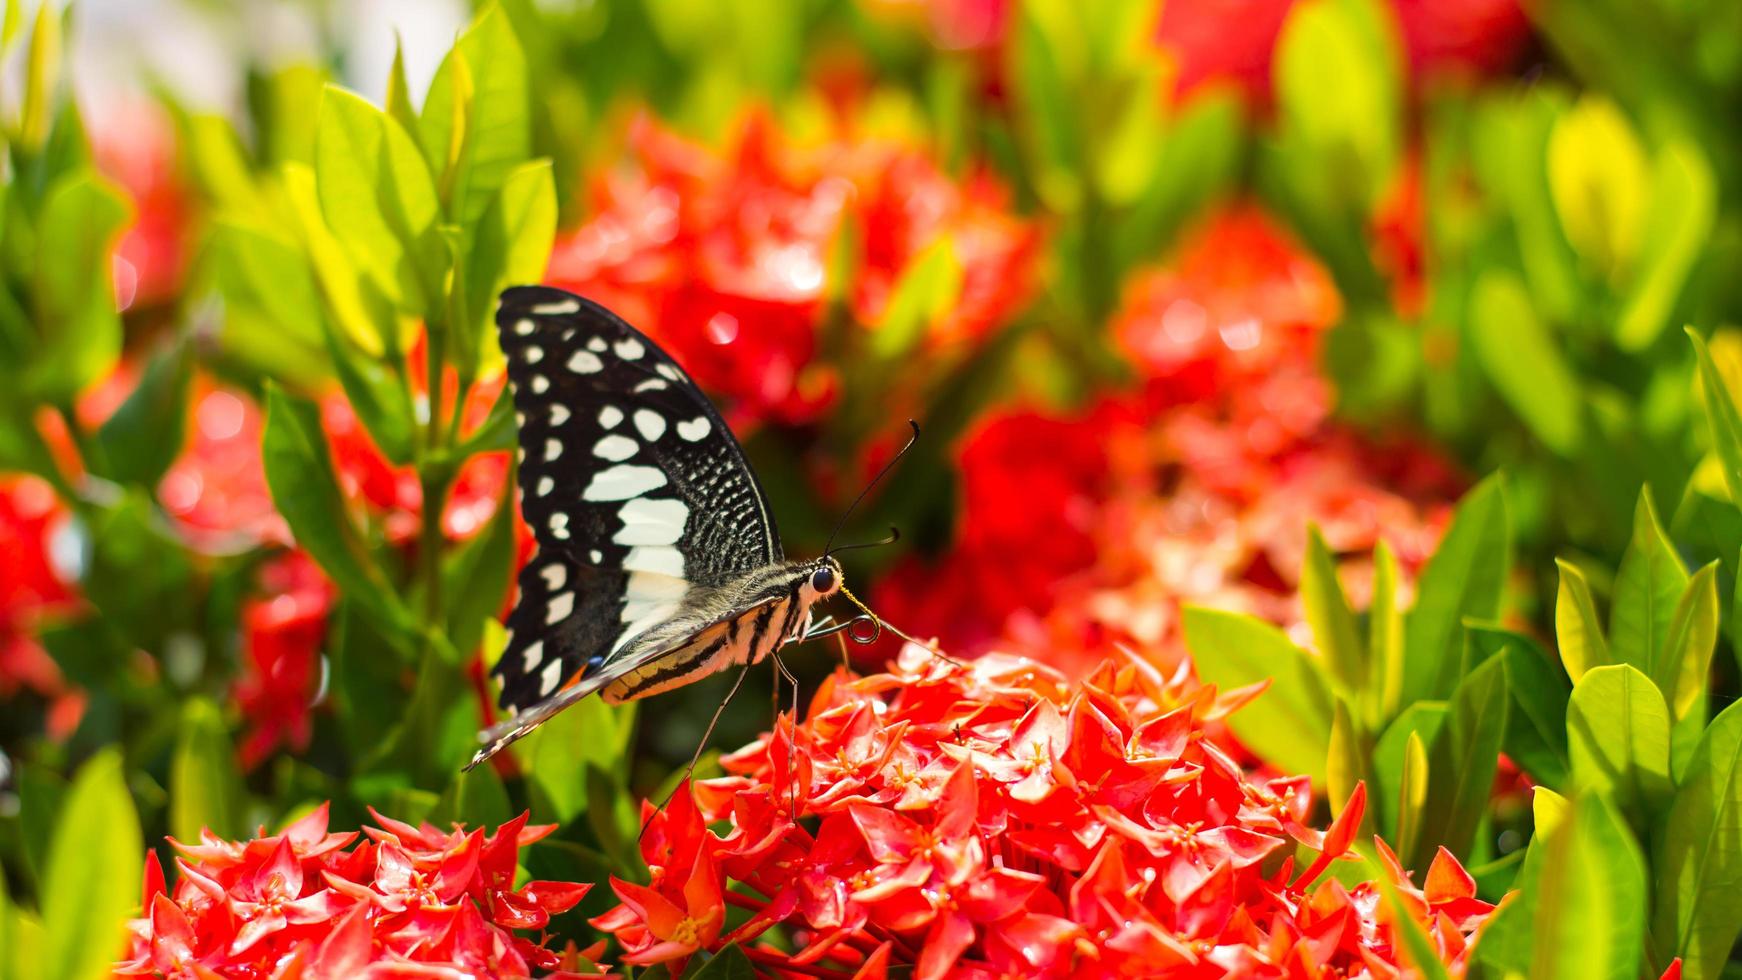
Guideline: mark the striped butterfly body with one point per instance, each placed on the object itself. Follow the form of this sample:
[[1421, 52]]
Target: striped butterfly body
[[658, 562]]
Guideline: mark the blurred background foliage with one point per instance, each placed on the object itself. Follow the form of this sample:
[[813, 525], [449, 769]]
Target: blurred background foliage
[[248, 264]]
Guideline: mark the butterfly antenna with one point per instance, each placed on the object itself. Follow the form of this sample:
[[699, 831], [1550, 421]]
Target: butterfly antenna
[[690, 772], [880, 474]]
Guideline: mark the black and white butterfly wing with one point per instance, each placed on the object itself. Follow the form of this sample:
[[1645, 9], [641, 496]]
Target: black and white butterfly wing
[[637, 493]]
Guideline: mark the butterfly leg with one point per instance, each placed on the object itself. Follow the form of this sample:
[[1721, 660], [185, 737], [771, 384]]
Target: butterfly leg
[[792, 743], [701, 746]]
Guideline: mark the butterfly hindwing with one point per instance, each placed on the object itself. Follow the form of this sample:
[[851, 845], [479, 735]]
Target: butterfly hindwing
[[635, 489]]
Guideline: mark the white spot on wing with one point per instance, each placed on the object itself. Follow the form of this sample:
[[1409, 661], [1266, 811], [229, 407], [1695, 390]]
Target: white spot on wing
[[649, 599], [650, 521], [559, 525], [623, 481], [629, 348], [557, 308], [696, 429], [650, 424], [554, 575], [530, 657], [540, 384], [561, 605], [552, 675], [609, 416], [652, 384], [655, 558], [552, 449], [596, 555], [545, 486], [559, 414], [616, 448], [533, 354], [525, 327], [668, 372], [585, 362], [596, 344]]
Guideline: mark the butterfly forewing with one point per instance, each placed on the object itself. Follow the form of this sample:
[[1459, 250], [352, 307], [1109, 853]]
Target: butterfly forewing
[[638, 494]]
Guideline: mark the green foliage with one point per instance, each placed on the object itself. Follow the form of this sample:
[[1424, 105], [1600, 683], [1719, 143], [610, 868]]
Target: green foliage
[[90, 881]]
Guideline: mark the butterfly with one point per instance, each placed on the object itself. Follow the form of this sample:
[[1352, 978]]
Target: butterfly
[[658, 560]]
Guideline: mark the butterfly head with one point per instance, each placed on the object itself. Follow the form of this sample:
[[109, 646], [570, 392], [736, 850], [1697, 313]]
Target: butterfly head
[[824, 578]]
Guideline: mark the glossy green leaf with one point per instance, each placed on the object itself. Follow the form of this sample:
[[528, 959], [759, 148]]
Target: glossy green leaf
[[94, 865], [1599, 180], [205, 790], [1385, 644], [1590, 898], [1337, 88], [1684, 670], [1648, 586], [363, 311], [273, 315], [1536, 727], [305, 488], [1412, 795], [1684, 204], [143, 437], [377, 196], [494, 129], [1462, 760], [1721, 416], [398, 101], [1698, 908], [1464, 579], [1578, 631], [1346, 761], [1328, 613], [438, 726], [729, 963], [1524, 360], [1289, 724], [42, 69], [81, 219], [556, 755], [1422, 719], [1618, 737], [510, 247]]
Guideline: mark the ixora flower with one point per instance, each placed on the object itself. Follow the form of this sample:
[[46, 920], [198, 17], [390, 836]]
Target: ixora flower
[[1195, 486], [993, 820], [404, 901], [730, 258], [31, 589]]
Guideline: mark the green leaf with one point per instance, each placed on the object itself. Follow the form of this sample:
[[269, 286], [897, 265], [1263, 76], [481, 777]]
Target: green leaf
[[477, 576], [1346, 761], [1685, 669], [398, 101], [1464, 579], [363, 311], [81, 220], [1384, 639], [1647, 588], [94, 868], [497, 136], [1289, 724], [1721, 415], [557, 754], [436, 734], [1329, 615], [305, 488], [140, 574], [1618, 737], [1684, 204], [1412, 795], [41, 77], [377, 196], [1525, 362], [475, 798], [1536, 728], [729, 963], [1422, 719], [140, 441], [1598, 179], [1577, 629], [1699, 855], [1338, 89], [1462, 760], [510, 247], [379, 395], [205, 790], [1590, 898], [925, 291]]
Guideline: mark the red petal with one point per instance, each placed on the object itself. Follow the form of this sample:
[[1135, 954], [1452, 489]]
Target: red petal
[[951, 935], [346, 952], [1447, 880], [555, 897], [876, 966]]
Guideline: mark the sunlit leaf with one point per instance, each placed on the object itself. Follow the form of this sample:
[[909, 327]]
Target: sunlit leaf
[[1599, 179], [1328, 613], [1698, 908], [1462, 760], [1648, 586], [1684, 203], [205, 791], [1590, 898], [1618, 737], [94, 865], [1578, 631], [1525, 362], [1464, 579], [1289, 724]]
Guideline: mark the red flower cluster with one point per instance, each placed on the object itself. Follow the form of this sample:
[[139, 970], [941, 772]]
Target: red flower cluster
[[31, 588], [992, 821], [134, 144], [408, 901], [726, 258], [283, 628], [1197, 487]]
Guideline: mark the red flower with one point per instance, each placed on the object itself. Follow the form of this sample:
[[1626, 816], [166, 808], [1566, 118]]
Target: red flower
[[216, 489], [726, 257], [282, 632], [406, 902], [1079, 830], [31, 589], [134, 144]]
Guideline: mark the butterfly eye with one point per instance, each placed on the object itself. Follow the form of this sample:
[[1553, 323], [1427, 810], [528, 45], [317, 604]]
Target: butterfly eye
[[823, 580]]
